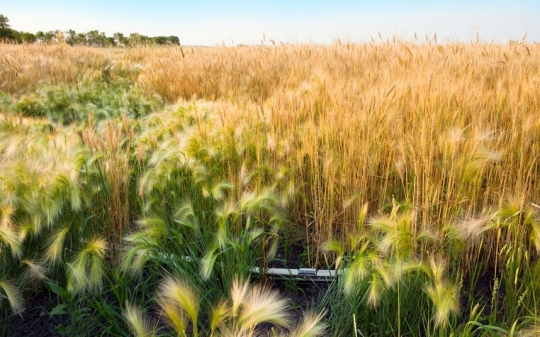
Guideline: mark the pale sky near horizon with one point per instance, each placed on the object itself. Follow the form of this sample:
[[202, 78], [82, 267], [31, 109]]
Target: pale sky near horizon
[[212, 22]]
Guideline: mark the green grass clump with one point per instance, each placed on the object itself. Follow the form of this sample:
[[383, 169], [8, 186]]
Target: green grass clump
[[70, 104]]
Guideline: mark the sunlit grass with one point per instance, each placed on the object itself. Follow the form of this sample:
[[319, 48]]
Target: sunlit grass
[[410, 168]]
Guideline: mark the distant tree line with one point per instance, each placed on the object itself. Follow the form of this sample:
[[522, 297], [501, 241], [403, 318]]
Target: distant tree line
[[93, 38]]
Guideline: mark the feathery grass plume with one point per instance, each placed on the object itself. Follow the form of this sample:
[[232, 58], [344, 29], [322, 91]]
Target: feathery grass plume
[[7, 211], [445, 298], [8, 191], [55, 245], [176, 297], [135, 258], [225, 214], [359, 269], [264, 200], [381, 279], [87, 269], [139, 326], [238, 293], [218, 190], [208, 262], [398, 236], [13, 295], [362, 215], [248, 307], [80, 161], [27, 227], [219, 313], [443, 294], [476, 165], [185, 216], [474, 227], [175, 317], [336, 247], [8, 233], [262, 305], [35, 271], [155, 228], [437, 268], [140, 245], [310, 326], [402, 268], [512, 207], [51, 208]]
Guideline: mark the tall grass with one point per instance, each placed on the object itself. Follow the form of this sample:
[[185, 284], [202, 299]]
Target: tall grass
[[444, 127], [411, 167], [25, 68]]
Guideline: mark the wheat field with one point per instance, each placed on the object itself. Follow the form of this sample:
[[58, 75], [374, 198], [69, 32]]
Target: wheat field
[[442, 140]]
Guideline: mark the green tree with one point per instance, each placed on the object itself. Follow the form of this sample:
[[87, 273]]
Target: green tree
[[5, 28], [40, 36], [174, 40], [50, 35], [45, 36], [138, 39], [4, 22], [71, 37], [81, 38], [96, 38], [92, 37], [103, 40], [135, 39], [28, 37], [160, 39], [15, 36], [119, 39]]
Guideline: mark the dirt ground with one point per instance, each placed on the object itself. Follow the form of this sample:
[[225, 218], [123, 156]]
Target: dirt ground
[[35, 320]]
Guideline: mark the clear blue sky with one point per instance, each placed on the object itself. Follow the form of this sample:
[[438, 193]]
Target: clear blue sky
[[212, 22]]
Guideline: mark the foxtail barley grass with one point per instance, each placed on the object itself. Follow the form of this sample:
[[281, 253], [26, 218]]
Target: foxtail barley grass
[[178, 298], [140, 327], [243, 313], [13, 295], [88, 267]]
